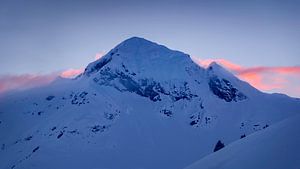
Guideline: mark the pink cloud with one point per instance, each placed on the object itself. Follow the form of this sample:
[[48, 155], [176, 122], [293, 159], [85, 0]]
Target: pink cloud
[[281, 70], [99, 55], [270, 79], [70, 73], [227, 64], [25, 81], [261, 81]]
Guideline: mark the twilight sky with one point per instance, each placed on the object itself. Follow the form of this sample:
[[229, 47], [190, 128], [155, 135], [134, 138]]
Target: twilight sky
[[44, 37]]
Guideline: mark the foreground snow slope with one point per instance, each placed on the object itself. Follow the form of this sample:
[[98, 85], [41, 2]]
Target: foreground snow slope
[[277, 147], [141, 105]]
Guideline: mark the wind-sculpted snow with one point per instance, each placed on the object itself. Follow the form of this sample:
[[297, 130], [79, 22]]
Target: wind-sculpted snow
[[141, 105]]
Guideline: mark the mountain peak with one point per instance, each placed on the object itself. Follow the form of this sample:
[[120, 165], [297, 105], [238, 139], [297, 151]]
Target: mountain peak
[[214, 65], [135, 39], [138, 94], [141, 55], [217, 68], [135, 43]]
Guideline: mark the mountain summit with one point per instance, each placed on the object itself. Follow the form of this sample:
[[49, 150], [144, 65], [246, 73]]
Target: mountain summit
[[143, 57], [141, 105]]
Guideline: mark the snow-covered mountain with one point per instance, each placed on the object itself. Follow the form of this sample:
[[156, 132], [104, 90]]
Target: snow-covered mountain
[[276, 148], [141, 105]]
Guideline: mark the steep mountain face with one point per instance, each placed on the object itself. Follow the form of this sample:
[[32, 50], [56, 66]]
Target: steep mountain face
[[146, 69], [141, 105]]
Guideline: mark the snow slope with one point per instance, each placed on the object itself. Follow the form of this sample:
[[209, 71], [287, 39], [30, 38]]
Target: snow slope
[[274, 148], [141, 105]]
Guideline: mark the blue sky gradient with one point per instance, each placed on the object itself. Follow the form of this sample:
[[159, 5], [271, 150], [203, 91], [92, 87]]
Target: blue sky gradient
[[42, 37], [39, 36]]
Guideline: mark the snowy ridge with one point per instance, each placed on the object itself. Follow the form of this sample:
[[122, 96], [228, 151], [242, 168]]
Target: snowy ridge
[[140, 101]]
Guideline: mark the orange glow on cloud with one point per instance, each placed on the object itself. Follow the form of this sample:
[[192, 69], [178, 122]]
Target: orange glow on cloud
[[279, 79]]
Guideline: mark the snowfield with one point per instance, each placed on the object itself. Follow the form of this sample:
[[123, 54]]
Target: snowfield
[[275, 148], [141, 106]]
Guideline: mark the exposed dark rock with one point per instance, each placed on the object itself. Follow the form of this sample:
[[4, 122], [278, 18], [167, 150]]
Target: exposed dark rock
[[201, 105], [28, 138], [219, 146], [99, 128], [194, 122], [107, 78], [35, 149], [111, 116], [266, 126], [79, 98], [17, 141], [83, 94], [50, 98], [143, 87], [224, 90], [242, 136], [181, 92], [207, 120], [60, 134], [75, 131], [167, 112], [100, 63], [196, 118]]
